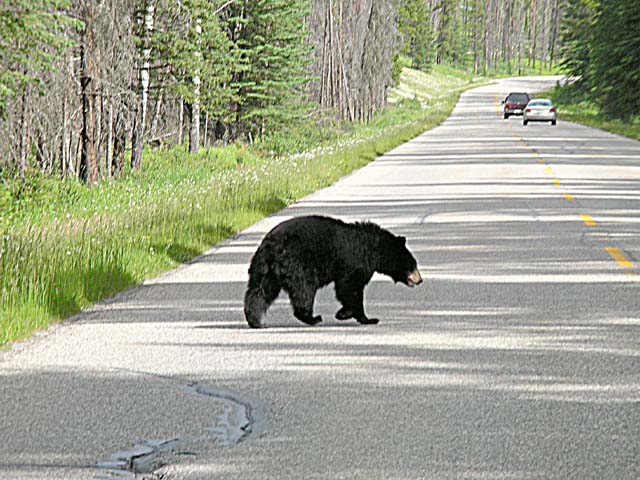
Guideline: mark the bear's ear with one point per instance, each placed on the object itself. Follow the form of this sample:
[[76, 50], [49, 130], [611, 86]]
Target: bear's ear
[[403, 240]]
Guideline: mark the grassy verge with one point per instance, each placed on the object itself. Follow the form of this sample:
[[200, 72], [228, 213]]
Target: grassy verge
[[430, 88], [573, 109], [64, 246]]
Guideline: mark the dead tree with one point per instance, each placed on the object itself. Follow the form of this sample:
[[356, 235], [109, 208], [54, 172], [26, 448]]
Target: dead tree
[[89, 158]]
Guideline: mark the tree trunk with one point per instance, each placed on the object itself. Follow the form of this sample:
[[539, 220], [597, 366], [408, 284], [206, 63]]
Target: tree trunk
[[206, 128], [156, 117], [181, 122], [138, 130], [63, 136], [24, 136], [67, 167], [554, 33], [194, 131], [109, 155], [88, 159], [533, 34], [119, 145]]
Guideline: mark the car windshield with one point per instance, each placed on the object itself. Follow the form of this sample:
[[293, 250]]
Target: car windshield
[[518, 98], [540, 103]]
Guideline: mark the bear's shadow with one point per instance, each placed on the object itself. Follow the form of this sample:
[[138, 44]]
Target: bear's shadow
[[284, 326]]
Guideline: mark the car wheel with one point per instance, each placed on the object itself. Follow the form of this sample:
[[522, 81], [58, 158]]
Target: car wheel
[[553, 122], [524, 122], [506, 116]]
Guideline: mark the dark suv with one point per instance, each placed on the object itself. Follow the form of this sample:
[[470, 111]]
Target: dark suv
[[514, 104]]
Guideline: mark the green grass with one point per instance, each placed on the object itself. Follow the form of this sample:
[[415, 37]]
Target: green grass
[[64, 246], [572, 109]]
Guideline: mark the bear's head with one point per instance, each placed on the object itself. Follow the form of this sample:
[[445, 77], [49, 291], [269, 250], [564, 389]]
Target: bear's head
[[397, 261]]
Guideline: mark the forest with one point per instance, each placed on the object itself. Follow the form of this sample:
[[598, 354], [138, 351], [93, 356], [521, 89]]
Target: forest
[[84, 85], [84, 82]]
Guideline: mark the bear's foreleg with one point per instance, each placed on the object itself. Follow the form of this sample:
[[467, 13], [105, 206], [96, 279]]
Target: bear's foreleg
[[350, 293]]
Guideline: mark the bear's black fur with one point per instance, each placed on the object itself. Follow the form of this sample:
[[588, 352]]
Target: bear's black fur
[[304, 254]]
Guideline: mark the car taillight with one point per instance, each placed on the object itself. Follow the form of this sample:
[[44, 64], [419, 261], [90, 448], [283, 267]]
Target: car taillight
[[553, 110], [528, 110]]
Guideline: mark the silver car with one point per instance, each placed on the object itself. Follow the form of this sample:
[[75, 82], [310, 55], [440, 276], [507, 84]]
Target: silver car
[[540, 110]]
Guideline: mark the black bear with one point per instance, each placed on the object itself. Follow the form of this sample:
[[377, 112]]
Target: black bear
[[304, 254]]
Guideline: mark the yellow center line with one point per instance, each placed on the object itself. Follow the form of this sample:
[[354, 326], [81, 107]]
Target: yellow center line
[[588, 220], [619, 257]]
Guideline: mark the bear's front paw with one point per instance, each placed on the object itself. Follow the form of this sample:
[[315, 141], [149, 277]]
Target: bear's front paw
[[368, 321], [344, 314]]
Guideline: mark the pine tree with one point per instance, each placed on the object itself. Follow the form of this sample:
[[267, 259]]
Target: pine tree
[[271, 37], [31, 34], [576, 40], [448, 41], [615, 59], [195, 60], [476, 31], [414, 26]]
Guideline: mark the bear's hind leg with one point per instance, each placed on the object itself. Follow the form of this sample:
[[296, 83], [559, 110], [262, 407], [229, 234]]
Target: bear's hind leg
[[259, 296], [302, 297]]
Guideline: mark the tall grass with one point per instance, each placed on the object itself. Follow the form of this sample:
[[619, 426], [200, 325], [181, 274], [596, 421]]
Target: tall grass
[[64, 246]]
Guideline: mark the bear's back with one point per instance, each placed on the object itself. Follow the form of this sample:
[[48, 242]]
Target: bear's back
[[311, 234], [326, 245], [308, 226]]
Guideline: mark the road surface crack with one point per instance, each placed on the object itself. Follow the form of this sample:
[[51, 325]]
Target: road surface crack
[[143, 460]]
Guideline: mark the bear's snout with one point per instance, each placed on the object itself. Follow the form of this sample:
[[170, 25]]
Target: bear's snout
[[414, 278]]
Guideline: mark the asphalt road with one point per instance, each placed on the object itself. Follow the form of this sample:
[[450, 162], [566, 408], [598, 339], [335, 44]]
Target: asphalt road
[[517, 359]]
